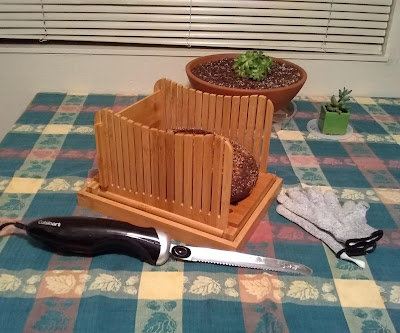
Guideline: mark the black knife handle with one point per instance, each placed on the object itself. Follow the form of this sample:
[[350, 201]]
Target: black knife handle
[[91, 236]]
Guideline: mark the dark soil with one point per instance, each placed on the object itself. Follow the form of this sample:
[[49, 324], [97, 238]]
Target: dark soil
[[221, 72]]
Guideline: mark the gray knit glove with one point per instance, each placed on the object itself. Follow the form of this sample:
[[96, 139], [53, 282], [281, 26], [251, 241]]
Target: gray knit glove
[[343, 229], [353, 214]]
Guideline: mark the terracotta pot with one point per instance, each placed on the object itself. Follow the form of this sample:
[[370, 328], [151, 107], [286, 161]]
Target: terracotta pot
[[280, 97]]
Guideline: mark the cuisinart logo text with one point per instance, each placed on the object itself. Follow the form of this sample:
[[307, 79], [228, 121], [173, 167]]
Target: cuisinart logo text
[[53, 224]]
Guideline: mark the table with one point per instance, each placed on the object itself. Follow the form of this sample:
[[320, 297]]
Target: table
[[49, 154]]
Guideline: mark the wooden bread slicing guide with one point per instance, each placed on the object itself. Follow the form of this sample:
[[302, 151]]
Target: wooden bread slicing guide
[[181, 183]]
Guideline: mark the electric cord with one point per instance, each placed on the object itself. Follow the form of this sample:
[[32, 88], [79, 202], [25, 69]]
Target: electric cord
[[15, 224]]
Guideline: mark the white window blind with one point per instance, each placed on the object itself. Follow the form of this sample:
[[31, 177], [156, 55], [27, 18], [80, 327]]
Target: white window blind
[[331, 26]]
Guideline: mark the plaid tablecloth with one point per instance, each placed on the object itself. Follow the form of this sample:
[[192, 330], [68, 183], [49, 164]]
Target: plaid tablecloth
[[49, 154]]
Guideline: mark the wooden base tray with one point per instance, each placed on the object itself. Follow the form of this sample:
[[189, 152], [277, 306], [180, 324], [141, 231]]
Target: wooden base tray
[[242, 221]]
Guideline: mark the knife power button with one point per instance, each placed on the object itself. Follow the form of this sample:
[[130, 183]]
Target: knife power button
[[181, 251]]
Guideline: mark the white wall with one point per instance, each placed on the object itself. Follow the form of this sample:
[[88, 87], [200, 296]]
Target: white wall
[[27, 70]]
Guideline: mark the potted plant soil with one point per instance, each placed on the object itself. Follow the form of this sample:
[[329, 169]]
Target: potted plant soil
[[250, 73], [334, 116]]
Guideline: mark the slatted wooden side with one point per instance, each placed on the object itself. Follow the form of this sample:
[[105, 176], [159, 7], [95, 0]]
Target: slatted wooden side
[[186, 174], [148, 111], [246, 119]]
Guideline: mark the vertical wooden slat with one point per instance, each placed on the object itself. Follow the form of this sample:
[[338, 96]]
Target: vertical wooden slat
[[217, 179], [266, 136], [207, 173], [179, 105], [132, 156], [226, 186], [154, 162], [162, 176], [179, 168], [204, 110], [244, 104], [105, 141], [197, 172], [173, 105], [258, 131], [170, 162], [211, 112], [167, 104], [125, 153], [233, 133], [251, 120], [185, 107], [120, 157], [226, 116], [100, 154], [157, 85], [191, 107], [218, 114], [198, 109], [187, 170], [113, 150], [161, 86], [146, 161], [139, 158], [99, 135]]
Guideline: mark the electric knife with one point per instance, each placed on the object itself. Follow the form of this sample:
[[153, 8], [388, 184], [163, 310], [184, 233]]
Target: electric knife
[[90, 236]]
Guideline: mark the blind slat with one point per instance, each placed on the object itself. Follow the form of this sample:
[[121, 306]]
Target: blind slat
[[302, 46], [196, 10], [157, 25], [238, 27], [278, 21], [205, 3], [199, 35], [249, 21], [297, 13]]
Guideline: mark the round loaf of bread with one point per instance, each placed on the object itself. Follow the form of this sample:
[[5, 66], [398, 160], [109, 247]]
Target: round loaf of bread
[[244, 170]]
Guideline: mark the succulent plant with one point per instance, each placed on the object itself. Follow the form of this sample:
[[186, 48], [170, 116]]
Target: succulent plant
[[252, 64], [339, 105]]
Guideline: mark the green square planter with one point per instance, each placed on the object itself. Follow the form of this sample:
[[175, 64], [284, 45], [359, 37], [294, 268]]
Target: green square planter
[[333, 123]]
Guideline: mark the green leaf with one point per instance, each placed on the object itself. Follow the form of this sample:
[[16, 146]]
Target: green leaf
[[376, 314], [67, 303], [160, 322], [13, 204], [51, 321], [371, 326], [360, 313], [271, 306], [258, 308], [346, 265], [153, 305], [250, 245], [269, 324], [171, 269], [50, 302], [169, 306]]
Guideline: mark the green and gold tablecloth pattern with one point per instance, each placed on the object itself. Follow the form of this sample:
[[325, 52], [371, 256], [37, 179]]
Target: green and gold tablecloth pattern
[[50, 153]]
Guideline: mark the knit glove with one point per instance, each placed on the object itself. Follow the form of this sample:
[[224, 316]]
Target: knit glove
[[343, 229], [354, 214]]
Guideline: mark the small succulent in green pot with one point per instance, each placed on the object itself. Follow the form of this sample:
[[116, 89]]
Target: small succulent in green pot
[[253, 64], [335, 115]]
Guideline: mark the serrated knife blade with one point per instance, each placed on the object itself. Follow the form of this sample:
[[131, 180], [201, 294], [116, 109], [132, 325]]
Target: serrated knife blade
[[237, 259]]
